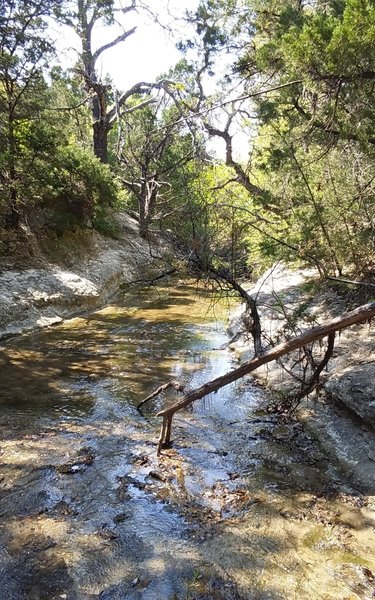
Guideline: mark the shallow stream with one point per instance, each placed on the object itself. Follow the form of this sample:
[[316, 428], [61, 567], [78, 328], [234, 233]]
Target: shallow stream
[[244, 505]]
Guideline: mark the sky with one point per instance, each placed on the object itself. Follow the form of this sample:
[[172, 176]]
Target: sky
[[144, 55]]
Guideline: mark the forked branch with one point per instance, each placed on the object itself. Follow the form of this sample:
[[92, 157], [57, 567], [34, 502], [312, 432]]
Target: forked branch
[[175, 384]]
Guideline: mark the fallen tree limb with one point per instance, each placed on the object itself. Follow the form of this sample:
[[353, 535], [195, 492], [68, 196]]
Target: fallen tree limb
[[362, 313], [350, 282], [151, 281], [175, 384]]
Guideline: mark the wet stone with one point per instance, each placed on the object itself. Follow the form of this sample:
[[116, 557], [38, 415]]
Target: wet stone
[[121, 517]]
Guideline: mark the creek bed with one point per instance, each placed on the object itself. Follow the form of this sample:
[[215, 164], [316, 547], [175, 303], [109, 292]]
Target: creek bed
[[244, 505]]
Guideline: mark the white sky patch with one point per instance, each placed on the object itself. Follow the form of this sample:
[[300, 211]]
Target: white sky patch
[[146, 54]]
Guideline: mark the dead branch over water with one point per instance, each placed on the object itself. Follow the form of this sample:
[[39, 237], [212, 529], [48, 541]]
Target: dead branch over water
[[362, 313], [175, 384]]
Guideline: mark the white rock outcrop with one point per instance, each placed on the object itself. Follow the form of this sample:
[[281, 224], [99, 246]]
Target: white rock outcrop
[[40, 297]]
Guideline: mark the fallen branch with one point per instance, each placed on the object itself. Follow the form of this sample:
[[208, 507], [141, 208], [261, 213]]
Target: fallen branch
[[308, 387], [362, 313], [350, 282], [151, 281], [175, 384]]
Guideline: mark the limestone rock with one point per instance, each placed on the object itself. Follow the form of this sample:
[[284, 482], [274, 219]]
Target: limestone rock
[[40, 297], [355, 387]]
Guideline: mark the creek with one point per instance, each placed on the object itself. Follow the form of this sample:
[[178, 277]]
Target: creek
[[244, 505]]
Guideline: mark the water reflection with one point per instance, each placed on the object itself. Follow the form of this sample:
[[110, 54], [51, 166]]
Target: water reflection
[[136, 347]]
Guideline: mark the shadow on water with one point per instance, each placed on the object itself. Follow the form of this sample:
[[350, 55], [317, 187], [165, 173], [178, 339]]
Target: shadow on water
[[134, 345], [36, 570], [244, 506]]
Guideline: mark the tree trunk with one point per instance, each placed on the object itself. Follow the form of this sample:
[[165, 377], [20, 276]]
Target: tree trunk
[[144, 221], [100, 139], [14, 214], [100, 122], [146, 203]]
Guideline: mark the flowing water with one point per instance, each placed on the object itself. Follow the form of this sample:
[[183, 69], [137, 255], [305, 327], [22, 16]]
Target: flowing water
[[244, 505]]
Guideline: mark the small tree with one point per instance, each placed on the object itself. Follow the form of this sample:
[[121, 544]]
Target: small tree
[[24, 51], [153, 146]]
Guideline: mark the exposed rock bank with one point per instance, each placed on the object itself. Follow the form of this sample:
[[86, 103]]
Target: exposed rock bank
[[47, 293], [342, 415]]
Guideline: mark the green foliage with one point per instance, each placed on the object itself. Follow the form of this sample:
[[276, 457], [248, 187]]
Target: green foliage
[[41, 164], [314, 150], [68, 102], [105, 223], [190, 223], [155, 159], [328, 209], [77, 189], [25, 49], [308, 191], [331, 51]]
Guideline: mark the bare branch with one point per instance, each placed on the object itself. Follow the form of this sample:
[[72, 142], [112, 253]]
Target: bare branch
[[118, 40], [132, 109], [242, 176], [67, 108], [261, 92], [175, 384], [170, 213], [349, 282], [126, 9], [224, 185], [308, 387]]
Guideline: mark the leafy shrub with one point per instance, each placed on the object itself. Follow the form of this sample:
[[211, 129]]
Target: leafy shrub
[[75, 188], [105, 223]]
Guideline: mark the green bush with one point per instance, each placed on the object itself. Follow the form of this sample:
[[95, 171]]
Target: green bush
[[74, 189], [105, 223]]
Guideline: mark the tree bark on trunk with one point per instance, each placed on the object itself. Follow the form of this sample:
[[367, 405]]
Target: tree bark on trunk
[[144, 222], [14, 213], [147, 203], [100, 140]]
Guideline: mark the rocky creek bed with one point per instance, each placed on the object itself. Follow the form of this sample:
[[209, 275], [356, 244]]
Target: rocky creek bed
[[244, 505]]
